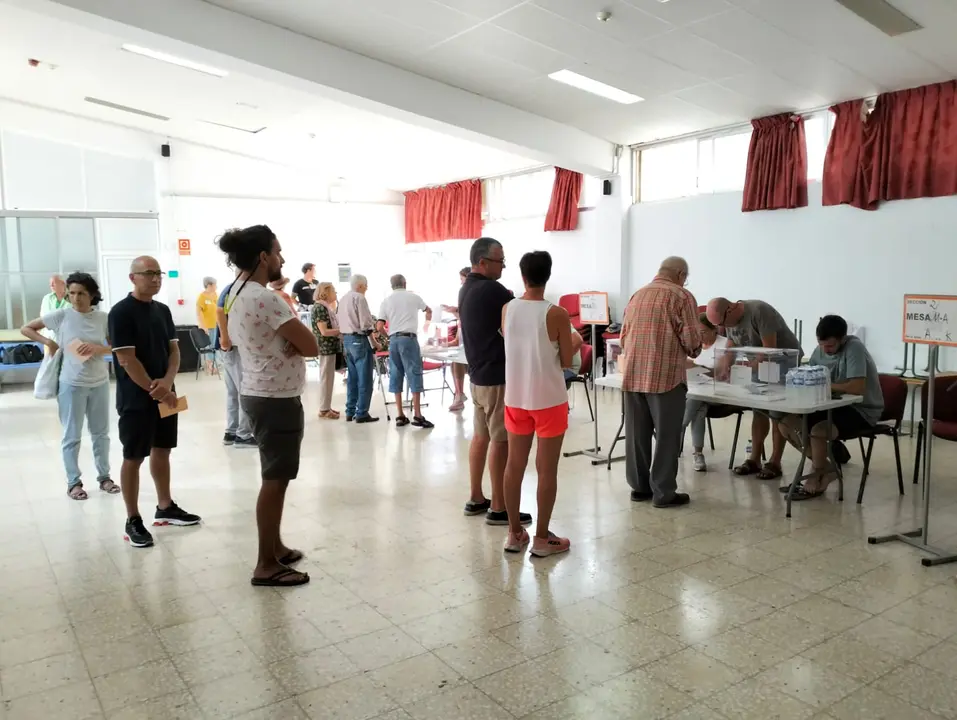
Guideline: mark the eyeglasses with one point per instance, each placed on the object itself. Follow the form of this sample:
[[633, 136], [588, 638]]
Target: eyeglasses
[[151, 274], [495, 260]]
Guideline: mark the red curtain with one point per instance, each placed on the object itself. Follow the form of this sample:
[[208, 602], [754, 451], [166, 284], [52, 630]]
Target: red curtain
[[563, 207], [844, 182], [450, 212], [776, 176], [910, 145]]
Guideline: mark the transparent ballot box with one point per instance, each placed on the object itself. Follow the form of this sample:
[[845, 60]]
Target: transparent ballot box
[[612, 351], [438, 336], [753, 370]]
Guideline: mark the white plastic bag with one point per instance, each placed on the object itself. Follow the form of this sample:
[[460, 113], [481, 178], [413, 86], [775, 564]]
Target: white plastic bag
[[47, 384]]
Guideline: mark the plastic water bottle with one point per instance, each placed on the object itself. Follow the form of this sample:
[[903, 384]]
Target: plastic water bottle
[[747, 450]]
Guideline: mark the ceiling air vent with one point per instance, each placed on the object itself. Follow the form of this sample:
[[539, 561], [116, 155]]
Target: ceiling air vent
[[882, 15], [125, 108]]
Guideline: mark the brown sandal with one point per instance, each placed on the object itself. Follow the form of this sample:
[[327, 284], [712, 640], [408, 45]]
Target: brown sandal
[[770, 472], [328, 415], [77, 492], [109, 487]]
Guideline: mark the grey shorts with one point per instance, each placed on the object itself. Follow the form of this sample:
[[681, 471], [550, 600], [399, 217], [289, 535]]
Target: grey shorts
[[277, 425]]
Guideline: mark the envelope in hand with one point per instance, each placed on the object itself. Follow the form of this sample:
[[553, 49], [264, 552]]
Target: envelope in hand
[[73, 349]]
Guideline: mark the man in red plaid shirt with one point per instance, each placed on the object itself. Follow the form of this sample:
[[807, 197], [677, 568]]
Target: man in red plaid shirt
[[659, 333]]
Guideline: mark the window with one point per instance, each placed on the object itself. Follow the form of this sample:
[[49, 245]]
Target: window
[[528, 194], [717, 162], [669, 171], [31, 250]]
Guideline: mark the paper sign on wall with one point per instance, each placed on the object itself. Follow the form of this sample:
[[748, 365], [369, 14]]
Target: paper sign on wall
[[930, 319], [345, 272], [593, 308]]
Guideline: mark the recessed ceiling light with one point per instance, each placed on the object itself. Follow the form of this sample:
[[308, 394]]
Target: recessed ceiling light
[[173, 60], [595, 87]]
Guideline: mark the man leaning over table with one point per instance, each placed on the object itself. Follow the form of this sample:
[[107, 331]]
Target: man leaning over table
[[754, 323], [853, 371], [659, 332]]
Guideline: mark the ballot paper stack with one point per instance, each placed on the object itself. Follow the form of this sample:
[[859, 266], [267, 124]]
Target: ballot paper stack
[[808, 384]]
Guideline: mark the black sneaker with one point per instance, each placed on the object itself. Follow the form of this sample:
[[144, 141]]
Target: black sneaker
[[229, 439], [638, 496], [500, 517], [677, 500], [174, 515], [473, 507], [421, 422], [366, 419], [137, 534], [245, 442]]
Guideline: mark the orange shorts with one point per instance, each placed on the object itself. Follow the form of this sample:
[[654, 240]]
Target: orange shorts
[[546, 423]]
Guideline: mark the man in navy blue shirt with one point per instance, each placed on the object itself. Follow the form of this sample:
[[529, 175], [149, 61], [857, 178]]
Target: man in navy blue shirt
[[238, 431]]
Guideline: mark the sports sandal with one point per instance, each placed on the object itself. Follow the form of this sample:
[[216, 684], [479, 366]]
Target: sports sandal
[[769, 472], [77, 492], [287, 577], [748, 467], [109, 487]]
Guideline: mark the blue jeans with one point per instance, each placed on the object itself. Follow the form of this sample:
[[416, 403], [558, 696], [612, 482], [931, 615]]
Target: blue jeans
[[237, 421], [93, 404], [405, 361], [359, 359]]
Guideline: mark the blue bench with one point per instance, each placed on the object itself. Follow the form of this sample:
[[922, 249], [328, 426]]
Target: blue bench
[[4, 368]]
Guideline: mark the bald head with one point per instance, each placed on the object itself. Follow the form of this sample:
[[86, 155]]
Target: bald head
[[718, 310], [675, 269], [146, 277]]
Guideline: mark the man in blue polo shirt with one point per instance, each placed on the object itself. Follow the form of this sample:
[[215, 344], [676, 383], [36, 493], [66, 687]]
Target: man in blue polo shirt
[[238, 431]]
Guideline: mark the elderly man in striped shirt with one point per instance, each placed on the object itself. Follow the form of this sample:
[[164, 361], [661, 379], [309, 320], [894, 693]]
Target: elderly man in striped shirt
[[659, 333]]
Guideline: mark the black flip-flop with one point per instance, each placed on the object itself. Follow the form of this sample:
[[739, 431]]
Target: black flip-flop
[[802, 494], [275, 580], [401, 421], [291, 557]]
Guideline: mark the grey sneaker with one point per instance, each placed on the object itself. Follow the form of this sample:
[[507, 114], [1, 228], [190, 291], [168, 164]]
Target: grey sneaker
[[699, 464]]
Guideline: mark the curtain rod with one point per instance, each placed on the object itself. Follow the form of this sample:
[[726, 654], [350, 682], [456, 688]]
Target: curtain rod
[[729, 129]]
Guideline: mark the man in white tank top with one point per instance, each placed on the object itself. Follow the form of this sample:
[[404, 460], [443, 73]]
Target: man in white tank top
[[538, 344]]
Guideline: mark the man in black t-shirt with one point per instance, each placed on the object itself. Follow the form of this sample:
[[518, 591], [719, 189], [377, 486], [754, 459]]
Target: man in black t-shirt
[[305, 287], [146, 357], [481, 300]]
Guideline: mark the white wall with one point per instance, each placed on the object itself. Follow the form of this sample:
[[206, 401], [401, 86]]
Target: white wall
[[807, 262]]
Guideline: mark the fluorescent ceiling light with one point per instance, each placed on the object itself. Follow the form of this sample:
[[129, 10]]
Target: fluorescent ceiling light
[[593, 86], [173, 60]]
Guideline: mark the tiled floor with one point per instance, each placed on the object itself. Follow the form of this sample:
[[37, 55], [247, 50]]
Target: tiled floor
[[724, 609]]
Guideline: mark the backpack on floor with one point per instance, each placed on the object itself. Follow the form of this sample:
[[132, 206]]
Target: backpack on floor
[[21, 354]]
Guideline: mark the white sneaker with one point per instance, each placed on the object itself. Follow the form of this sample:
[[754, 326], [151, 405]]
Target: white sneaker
[[458, 404], [699, 464]]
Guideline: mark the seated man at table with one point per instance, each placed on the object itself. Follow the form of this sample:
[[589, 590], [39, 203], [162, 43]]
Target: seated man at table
[[853, 372], [696, 411], [572, 371], [754, 323]]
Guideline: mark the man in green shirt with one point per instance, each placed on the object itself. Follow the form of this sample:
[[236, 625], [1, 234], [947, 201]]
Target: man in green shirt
[[56, 300]]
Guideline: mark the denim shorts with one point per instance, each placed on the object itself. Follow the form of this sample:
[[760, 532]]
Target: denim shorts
[[405, 361]]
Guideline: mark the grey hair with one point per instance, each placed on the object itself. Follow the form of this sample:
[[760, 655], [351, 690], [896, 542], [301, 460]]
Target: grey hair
[[207, 281], [356, 280], [481, 248], [397, 281]]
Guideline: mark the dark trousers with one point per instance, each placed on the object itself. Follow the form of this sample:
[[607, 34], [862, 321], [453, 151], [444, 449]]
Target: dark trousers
[[659, 414]]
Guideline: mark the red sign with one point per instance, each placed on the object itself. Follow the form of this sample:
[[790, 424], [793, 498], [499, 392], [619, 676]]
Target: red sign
[[184, 246]]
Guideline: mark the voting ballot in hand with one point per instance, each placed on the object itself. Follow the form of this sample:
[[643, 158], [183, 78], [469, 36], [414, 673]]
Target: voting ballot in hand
[[181, 405]]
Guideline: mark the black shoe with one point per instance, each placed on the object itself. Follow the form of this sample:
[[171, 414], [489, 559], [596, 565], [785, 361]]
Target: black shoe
[[245, 442], [421, 422], [477, 508], [348, 418], [638, 496], [401, 421], [137, 534], [676, 501], [175, 515], [500, 517], [229, 439], [366, 419]]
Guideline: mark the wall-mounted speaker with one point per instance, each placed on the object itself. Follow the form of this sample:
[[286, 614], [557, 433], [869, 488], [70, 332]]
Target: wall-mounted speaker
[[164, 150], [606, 187]]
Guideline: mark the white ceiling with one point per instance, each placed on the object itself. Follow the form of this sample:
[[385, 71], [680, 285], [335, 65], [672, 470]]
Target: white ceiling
[[699, 64], [351, 143]]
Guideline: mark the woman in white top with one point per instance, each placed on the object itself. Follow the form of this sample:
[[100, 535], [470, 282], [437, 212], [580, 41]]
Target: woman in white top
[[84, 393], [696, 411], [538, 344]]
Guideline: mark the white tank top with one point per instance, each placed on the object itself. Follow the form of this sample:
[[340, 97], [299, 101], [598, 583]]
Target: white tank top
[[533, 372]]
